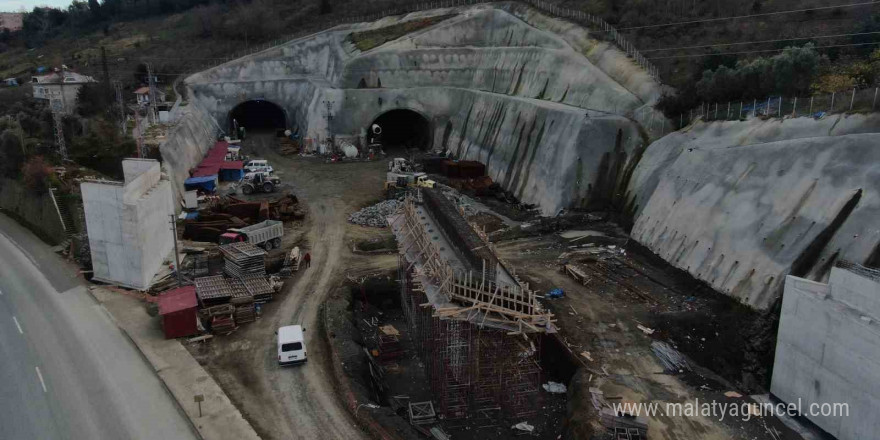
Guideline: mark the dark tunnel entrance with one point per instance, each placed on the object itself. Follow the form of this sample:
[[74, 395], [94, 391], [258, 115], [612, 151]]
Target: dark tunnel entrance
[[401, 129], [257, 114]]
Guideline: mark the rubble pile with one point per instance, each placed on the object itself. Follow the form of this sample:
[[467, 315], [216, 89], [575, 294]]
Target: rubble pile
[[375, 215]]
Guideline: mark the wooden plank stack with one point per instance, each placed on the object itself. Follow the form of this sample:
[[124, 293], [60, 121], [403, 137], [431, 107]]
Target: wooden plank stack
[[241, 259]]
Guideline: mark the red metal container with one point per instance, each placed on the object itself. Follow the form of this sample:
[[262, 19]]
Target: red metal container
[[177, 307]]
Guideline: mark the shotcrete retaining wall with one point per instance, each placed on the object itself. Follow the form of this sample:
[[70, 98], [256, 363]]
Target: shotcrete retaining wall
[[186, 145], [742, 204]]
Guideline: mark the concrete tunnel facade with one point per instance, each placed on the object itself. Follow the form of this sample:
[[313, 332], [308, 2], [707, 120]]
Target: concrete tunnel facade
[[500, 84], [561, 120]]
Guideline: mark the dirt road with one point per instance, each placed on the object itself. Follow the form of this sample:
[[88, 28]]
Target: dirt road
[[298, 402]]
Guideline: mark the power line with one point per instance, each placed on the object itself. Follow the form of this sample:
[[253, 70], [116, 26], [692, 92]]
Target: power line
[[758, 51], [763, 14], [758, 42]]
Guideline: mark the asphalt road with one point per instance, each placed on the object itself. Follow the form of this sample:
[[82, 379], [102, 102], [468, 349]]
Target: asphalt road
[[66, 370]]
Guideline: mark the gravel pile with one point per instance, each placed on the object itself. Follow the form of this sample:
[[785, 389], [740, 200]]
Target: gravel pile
[[374, 215]]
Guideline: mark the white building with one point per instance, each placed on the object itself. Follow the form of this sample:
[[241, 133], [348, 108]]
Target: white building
[[128, 224], [828, 351], [60, 87]]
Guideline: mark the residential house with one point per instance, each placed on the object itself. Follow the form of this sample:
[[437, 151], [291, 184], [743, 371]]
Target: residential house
[[11, 20], [60, 88], [143, 96]]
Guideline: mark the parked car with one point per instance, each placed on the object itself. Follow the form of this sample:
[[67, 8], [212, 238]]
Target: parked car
[[258, 165]]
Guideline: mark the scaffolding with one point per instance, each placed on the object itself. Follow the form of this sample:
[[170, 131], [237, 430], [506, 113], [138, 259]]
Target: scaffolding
[[478, 339]]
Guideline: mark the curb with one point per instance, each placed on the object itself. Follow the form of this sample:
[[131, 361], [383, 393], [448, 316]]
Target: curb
[[373, 428]]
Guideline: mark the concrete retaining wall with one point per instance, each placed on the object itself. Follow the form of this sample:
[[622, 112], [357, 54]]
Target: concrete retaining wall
[[36, 211], [742, 204], [828, 352], [128, 224]]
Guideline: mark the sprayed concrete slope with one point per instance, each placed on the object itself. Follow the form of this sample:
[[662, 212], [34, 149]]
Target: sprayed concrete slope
[[535, 98], [742, 204]]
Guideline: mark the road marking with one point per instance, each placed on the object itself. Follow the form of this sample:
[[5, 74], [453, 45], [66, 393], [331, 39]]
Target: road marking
[[42, 382], [1, 292], [18, 325]]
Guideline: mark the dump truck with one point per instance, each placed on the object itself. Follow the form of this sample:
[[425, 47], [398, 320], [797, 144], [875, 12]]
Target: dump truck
[[266, 234], [259, 181]]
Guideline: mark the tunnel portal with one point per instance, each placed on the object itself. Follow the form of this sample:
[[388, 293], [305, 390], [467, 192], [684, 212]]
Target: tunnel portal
[[401, 129], [257, 114]]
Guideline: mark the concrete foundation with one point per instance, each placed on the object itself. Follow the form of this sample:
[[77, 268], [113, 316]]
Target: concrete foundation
[[828, 351], [128, 224]]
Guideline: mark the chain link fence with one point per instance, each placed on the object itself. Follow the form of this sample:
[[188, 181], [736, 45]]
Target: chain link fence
[[817, 106]]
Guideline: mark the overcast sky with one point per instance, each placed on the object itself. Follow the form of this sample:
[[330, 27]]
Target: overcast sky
[[17, 5]]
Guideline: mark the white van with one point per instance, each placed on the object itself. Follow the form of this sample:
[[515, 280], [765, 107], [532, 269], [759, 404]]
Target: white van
[[291, 345], [258, 165]]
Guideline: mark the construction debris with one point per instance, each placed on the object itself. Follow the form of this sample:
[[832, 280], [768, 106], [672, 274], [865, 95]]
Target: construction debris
[[375, 215], [672, 360], [523, 426], [645, 330], [555, 387], [421, 413]]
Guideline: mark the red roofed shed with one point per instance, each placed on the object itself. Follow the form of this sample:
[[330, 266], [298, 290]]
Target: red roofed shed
[[177, 307]]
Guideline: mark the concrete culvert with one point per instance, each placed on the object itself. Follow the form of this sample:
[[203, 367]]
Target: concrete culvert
[[401, 129], [257, 115]]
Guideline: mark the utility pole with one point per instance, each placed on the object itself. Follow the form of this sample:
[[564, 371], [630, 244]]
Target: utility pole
[[118, 87], [57, 108], [328, 115], [21, 134], [176, 256], [152, 117]]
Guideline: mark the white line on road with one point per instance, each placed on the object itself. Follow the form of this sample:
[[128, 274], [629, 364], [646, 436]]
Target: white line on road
[[18, 325], [40, 375], [1, 292]]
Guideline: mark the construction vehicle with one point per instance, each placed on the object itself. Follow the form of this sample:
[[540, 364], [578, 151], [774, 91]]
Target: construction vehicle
[[260, 181], [403, 180], [266, 234]]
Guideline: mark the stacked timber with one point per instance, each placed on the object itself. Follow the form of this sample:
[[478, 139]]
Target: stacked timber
[[244, 309], [221, 318], [243, 259]]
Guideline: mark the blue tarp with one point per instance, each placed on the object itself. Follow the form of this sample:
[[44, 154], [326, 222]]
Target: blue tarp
[[206, 183], [230, 175], [192, 215]]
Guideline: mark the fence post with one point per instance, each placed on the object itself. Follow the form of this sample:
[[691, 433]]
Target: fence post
[[780, 107], [811, 106], [680, 121], [794, 109], [755, 107], [740, 110], [728, 111], [852, 100], [832, 103], [875, 99], [767, 110], [716, 111]]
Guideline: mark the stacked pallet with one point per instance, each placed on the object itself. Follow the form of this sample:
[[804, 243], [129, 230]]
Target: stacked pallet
[[221, 318], [242, 259], [213, 290], [244, 309], [258, 287]]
